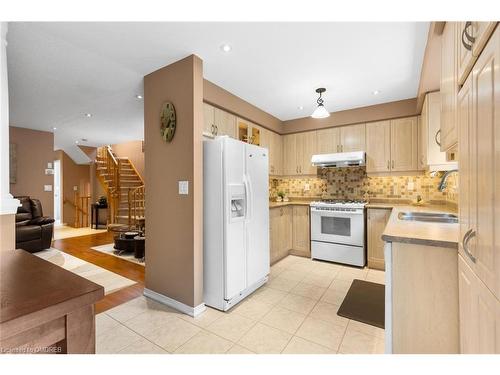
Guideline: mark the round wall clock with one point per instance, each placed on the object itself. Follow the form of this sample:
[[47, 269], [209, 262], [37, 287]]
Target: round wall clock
[[168, 121]]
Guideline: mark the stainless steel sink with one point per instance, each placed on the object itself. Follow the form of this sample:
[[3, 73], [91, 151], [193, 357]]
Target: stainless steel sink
[[434, 217]]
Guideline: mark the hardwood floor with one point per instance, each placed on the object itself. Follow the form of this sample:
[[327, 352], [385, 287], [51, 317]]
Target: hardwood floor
[[80, 247]]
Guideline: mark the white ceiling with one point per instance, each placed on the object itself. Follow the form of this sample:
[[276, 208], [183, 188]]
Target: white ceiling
[[60, 71]]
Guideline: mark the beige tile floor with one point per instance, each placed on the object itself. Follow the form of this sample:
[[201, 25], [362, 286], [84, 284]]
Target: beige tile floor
[[294, 313]]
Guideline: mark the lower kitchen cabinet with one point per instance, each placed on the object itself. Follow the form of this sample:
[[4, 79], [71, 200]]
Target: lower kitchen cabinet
[[479, 314], [289, 232], [280, 223], [377, 220], [301, 241]]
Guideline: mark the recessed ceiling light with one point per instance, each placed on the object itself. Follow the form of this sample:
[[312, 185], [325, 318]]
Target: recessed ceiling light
[[54, 128], [376, 92], [300, 107], [76, 142], [88, 115], [138, 96], [226, 48]]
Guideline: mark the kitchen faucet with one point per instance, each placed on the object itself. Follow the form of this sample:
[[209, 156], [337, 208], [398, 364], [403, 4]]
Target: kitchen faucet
[[442, 184]]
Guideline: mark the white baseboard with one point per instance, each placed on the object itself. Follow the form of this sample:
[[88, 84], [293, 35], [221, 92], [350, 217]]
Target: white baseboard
[[170, 302]]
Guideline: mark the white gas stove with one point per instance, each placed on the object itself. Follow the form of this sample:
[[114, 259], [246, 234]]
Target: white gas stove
[[338, 231]]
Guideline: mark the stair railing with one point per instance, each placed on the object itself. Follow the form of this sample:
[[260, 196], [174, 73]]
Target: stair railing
[[112, 165], [136, 206]]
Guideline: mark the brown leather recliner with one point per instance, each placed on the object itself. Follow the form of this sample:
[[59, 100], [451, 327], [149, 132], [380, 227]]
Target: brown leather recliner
[[33, 230]]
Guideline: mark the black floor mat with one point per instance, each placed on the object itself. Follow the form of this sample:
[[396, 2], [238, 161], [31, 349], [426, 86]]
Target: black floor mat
[[364, 302]]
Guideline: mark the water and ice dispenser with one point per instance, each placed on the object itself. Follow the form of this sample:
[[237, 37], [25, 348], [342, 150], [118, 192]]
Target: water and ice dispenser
[[237, 201]]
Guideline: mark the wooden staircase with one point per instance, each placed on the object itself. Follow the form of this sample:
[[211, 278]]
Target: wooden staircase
[[124, 187]]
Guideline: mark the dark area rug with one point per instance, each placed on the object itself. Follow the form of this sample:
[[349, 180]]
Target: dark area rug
[[364, 302]]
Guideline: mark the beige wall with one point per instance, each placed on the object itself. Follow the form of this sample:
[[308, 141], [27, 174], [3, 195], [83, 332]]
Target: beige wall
[[174, 224], [221, 98], [133, 151], [7, 232], [34, 150], [401, 108], [72, 175]]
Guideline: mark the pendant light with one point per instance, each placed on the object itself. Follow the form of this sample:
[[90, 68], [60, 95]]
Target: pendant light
[[320, 111]]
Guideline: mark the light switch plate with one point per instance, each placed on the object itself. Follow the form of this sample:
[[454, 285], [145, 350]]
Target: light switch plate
[[49, 165], [47, 187], [183, 187], [75, 188]]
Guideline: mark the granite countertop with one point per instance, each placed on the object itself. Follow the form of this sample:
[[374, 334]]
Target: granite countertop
[[423, 233]]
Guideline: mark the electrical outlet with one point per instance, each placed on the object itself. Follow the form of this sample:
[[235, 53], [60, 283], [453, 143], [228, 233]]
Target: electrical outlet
[[411, 185], [47, 187], [307, 187]]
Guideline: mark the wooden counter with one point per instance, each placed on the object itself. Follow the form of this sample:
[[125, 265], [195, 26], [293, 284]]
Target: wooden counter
[[45, 308]]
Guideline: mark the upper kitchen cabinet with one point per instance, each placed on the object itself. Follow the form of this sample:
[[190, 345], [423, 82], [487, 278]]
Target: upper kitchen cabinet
[[272, 142], [218, 122], [209, 120], [391, 146], [297, 152], [378, 146], [479, 156], [448, 86], [430, 155], [353, 138], [404, 136], [341, 139], [306, 148], [225, 123], [277, 154], [328, 141], [247, 131], [471, 39], [290, 166]]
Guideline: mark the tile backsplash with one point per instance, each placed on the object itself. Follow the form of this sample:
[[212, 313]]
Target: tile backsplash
[[354, 183]]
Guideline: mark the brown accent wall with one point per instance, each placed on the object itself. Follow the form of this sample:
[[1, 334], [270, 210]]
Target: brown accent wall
[[34, 150], [133, 151], [223, 99], [72, 175], [174, 226], [401, 108]]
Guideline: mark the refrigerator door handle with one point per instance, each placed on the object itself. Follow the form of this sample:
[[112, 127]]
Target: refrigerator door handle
[[248, 193]]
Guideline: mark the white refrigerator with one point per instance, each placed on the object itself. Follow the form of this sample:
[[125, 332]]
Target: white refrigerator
[[236, 220]]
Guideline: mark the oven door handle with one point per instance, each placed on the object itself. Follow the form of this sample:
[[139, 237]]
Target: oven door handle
[[336, 213]]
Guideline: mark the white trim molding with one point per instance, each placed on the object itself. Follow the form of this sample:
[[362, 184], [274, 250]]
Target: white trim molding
[[170, 302], [8, 205]]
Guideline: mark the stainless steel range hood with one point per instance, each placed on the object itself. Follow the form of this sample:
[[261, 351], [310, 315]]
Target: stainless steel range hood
[[339, 160]]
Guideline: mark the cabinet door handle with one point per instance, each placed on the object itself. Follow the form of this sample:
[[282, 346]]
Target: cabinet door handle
[[436, 138], [341, 148], [393, 164], [337, 148], [467, 236], [388, 165], [470, 38], [212, 128]]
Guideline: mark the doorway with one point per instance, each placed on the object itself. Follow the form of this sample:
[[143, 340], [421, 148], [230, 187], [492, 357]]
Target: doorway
[[57, 192]]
